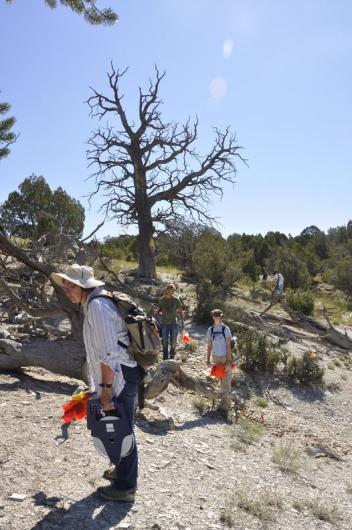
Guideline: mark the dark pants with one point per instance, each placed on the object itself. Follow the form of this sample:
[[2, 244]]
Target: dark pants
[[169, 331], [128, 467]]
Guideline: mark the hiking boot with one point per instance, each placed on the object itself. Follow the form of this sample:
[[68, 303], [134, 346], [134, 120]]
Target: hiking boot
[[110, 473], [111, 494]]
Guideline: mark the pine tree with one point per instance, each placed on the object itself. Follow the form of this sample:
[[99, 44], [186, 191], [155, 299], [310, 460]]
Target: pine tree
[[86, 8], [7, 137]]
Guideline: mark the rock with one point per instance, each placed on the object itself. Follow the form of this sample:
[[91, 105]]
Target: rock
[[38, 332], [4, 333], [21, 318], [17, 497]]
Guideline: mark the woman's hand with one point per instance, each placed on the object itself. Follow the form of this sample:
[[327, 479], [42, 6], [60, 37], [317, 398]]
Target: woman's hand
[[106, 399]]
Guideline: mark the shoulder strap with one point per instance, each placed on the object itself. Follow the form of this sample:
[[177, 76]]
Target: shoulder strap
[[99, 296], [213, 333], [123, 302]]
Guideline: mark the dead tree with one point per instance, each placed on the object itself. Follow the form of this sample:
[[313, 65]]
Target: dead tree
[[297, 319], [25, 281], [150, 172]]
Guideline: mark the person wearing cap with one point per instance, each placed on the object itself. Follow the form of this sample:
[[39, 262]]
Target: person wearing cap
[[169, 306], [111, 371], [218, 338]]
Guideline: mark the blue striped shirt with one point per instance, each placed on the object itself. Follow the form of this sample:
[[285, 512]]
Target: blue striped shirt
[[103, 327]]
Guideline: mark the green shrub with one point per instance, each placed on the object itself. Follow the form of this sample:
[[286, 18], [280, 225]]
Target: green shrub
[[342, 277], [208, 297], [215, 270], [261, 402], [247, 431], [293, 268], [305, 369], [301, 301], [258, 352]]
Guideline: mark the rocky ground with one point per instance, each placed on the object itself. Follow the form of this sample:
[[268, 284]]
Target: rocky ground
[[196, 471]]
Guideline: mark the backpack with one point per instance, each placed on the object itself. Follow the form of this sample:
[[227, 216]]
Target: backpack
[[142, 330], [222, 332]]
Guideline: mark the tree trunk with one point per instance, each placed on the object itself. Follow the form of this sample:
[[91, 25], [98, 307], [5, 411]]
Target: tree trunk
[[67, 357], [61, 356], [146, 246]]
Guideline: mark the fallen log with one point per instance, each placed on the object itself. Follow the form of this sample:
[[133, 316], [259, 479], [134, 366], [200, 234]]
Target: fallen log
[[171, 372], [60, 356], [67, 357], [327, 333]]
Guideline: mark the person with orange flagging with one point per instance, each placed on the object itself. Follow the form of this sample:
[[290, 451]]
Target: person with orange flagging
[[219, 347]]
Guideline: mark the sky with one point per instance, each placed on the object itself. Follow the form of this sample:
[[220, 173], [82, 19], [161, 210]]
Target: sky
[[279, 73]]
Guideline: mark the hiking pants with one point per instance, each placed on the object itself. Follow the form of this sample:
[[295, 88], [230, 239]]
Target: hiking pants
[[225, 389], [169, 331], [127, 469]]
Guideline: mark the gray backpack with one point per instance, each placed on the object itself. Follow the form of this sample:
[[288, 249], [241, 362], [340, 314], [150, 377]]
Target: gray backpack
[[143, 333]]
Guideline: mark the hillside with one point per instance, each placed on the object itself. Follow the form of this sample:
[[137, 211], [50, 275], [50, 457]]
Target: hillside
[[196, 471]]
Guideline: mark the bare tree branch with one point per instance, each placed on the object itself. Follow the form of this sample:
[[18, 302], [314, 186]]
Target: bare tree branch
[[150, 173], [92, 233]]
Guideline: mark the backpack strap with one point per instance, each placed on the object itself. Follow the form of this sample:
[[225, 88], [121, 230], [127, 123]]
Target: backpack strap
[[140, 328], [100, 296], [213, 333]]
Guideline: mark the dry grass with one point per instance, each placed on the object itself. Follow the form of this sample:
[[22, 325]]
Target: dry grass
[[323, 512], [287, 457], [200, 404], [247, 431], [262, 507], [226, 515]]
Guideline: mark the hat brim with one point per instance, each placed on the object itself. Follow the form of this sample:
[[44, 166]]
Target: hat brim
[[58, 278]]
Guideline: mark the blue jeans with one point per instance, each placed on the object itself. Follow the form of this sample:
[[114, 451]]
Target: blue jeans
[[127, 470], [169, 330]]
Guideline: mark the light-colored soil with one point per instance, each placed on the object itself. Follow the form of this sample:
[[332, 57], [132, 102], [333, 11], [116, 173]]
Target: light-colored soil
[[194, 475]]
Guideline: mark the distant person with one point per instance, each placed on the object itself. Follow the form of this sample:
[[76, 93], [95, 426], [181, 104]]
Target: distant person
[[219, 346], [169, 307], [279, 284], [81, 256]]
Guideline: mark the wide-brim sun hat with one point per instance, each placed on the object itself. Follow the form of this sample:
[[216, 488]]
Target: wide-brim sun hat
[[80, 275]]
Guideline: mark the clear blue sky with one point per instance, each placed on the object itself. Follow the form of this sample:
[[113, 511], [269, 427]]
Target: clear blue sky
[[278, 72]]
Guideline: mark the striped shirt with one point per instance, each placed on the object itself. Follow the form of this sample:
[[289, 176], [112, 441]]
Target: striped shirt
[[103, 327]]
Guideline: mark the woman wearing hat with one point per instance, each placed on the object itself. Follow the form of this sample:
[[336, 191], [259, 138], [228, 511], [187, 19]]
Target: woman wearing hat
[[111, 371]]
